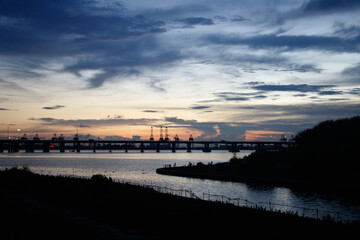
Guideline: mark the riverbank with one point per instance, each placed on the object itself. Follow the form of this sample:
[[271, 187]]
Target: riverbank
[[53, 207]]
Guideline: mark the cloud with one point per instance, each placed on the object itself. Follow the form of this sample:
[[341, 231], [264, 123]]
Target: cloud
[[54, 107], [153, 83], [177, 11], [304, 88], [330, 6], [200, 107], [87, 123], [95, 35], [150, 111], [287, 42], [238, 96], [301, 68], [180, 121], [116, 137], [319, 7], [341, 29], [11, 85], [4, 109], [239, 18], [352, 71], [237, 99], [196, 21], [331, 92]]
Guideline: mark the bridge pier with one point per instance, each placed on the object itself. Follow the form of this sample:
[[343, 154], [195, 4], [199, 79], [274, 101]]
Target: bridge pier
[[207, 148], [29, 147], [188, 145], [11, 147], [78, 147], [91, 142], [46, 147], [62, 147], [110, 147], [126, 147], [158, 147], [234, 148], [173, 147], [142, 147]]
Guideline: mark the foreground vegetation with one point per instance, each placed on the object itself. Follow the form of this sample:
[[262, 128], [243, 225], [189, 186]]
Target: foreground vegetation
[[49, 207]]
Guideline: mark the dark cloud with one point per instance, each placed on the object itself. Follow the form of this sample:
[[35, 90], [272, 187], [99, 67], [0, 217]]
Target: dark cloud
[[321, 6], [154, 84], [196, 21], [66, 23], [180, 121], [236, 96], [150, 111], [86, 136], [54, 107], [239, 19], [99, 36], [236, 99], [301, 68], [177, 11], [300, 95], [11, 85], [292, 88], [355, 91], [260, 97], [207, 128], [343, 30], [200, 107], [4, 109], [331, 92], [288, 43], [352, 71], [115, 137]]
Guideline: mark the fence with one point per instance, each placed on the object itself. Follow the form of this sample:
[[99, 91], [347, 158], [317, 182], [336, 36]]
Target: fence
[[241, 202], [275, 207]]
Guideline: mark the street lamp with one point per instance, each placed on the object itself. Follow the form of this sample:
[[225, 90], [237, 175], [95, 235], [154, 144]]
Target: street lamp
[[19, 132]]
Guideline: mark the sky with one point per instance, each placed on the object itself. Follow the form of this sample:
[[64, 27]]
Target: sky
[[230, 69]]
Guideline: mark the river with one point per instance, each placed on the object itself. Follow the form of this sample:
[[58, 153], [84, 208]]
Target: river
[[139, 168]]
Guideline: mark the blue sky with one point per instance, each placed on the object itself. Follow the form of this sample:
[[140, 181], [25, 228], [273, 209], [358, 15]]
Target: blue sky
[[215, 69]]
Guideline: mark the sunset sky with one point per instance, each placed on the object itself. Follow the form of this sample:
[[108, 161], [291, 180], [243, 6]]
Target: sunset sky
[[229, 69]]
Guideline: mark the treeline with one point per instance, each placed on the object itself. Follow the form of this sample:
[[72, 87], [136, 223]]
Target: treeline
[[327, 152]]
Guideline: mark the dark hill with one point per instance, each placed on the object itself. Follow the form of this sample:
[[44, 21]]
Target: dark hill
[[328, 153]]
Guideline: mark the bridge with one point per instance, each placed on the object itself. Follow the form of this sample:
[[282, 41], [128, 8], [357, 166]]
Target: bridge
[[13, 146]]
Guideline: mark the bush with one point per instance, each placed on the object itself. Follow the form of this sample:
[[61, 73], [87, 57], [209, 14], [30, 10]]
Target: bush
[[100, 178]]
